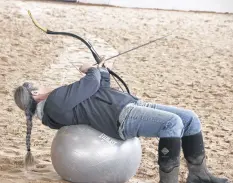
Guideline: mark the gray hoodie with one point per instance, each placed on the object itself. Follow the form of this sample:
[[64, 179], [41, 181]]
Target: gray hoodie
[[89, 101]]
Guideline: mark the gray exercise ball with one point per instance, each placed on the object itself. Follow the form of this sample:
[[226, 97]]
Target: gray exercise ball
[[81, 154]]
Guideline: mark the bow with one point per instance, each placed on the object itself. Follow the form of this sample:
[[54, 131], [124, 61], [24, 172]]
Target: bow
[[97, 58]]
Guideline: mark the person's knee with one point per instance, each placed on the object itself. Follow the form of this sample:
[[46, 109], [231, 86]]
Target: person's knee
[[193, 124], [172, 128], [192, 115]]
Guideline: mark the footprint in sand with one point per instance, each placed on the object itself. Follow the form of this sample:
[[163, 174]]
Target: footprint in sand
[[10, 152]]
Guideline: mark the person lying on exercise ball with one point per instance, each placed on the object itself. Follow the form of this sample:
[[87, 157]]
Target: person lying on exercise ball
[[120, 115]]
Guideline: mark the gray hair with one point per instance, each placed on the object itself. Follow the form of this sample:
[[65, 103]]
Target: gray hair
[[24, 100]]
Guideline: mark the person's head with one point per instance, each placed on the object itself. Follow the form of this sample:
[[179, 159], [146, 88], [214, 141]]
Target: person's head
[[30, 99]]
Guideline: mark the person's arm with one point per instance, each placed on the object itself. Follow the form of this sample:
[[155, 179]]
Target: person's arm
[[105, 77], [86, 86], [77, 92]]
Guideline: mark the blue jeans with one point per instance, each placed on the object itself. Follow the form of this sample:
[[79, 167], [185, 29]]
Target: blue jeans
[[156, 120]]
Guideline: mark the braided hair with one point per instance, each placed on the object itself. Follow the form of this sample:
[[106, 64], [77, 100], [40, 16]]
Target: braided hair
[[24, 100]]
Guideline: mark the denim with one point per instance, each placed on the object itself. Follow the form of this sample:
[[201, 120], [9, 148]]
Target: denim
[[157, 120]]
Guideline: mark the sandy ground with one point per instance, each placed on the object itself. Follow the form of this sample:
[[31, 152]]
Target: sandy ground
[[193, 68]]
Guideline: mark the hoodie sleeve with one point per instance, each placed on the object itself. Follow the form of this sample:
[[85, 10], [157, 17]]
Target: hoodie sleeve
[[105, 77], [67, 97]]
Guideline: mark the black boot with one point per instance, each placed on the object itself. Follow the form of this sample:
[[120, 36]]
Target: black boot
[[194, 153], [169, 159]]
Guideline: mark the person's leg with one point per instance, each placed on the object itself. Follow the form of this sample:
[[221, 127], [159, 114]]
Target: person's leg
[[191, 122], [143, 121], [192, 144], [194, 152]]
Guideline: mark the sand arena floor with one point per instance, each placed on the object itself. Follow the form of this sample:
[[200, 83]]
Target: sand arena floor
[[193, 68]]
